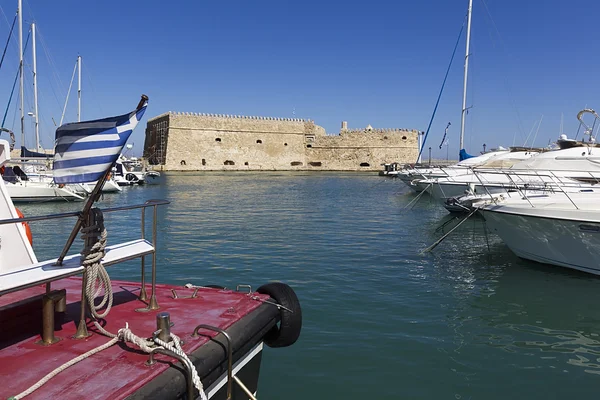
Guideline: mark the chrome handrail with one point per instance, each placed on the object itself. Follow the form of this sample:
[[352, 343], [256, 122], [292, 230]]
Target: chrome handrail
[[149, 203]]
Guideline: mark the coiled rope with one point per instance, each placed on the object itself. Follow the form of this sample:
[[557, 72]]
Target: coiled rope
[[98, 281]]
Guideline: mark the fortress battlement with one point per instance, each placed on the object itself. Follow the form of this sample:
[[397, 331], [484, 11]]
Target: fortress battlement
[[228, 116], [376, 130]]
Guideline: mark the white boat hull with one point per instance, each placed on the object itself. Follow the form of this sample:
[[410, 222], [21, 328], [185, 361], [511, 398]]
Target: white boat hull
[[40, 192], [570, 243]]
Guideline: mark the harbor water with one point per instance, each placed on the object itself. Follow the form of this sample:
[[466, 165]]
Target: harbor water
[[468, 320]]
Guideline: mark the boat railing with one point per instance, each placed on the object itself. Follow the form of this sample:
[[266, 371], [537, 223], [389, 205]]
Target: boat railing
[[148, 203], [545, 181], [48, 271]]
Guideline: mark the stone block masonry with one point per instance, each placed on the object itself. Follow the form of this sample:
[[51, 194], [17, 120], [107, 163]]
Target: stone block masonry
[[209, 142]]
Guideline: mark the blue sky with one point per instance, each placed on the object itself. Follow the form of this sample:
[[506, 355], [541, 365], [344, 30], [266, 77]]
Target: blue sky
[[376, 62]]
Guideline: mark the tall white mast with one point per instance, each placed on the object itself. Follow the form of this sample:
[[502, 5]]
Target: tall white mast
[[35, 92], [20, 12], [79, 89], [464, 102]]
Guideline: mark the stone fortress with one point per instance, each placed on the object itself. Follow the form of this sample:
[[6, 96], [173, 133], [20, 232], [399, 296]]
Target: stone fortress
[[178, 141]]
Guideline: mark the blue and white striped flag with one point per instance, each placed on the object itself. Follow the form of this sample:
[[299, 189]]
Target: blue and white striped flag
[[84, 151]]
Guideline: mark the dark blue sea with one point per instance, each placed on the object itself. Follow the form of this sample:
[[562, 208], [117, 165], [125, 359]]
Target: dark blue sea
[[381, 321]]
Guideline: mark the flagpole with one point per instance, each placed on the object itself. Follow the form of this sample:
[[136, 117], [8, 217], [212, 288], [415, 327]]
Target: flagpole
[[94, 196]]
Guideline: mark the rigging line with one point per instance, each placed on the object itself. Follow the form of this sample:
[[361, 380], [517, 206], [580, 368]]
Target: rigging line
[[441, 227], [441, 89], [8, 41], [434, 245], [88, 75], [414, 201], [530, 132], [52, 65], [49, 57], [14, 84], [506, 85], [536, 132], [7, 23], [67, 99]]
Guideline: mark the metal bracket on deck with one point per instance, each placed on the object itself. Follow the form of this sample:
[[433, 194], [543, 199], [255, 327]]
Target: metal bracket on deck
[[238, 287], [193, 296]]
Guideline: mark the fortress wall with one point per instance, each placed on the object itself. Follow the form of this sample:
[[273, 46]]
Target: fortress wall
[[362, 150], [196, 142], [205, 142]]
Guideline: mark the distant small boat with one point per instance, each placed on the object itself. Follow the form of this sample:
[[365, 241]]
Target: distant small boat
[[131, 172]]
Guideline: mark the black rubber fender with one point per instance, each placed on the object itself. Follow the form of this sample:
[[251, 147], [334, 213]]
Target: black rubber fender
[[289, 328]]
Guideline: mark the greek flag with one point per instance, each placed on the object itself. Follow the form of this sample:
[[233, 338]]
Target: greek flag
[[84, 151]]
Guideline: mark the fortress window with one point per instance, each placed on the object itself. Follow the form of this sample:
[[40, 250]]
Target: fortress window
[[259, 141], [296, 163], [203, 161], [218, 139], [385, 138], [403, 137], [246, 163], [182, 162], [228, 162], [308, 146], [364, 164], [315, 163], [285, 144]]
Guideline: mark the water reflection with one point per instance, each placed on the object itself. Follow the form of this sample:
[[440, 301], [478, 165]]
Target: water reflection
[[468, 320]]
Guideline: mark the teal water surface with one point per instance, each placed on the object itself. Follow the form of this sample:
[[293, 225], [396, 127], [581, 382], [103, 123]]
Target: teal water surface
[[468, 321]]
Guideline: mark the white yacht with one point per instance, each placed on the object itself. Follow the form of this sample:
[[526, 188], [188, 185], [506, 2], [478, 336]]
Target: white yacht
[[555, 228], [21, 189], [413, 177], [457, 184]]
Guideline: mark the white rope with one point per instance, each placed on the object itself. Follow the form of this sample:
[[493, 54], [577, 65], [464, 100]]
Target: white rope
[[98, 280], [62, 368], [125, 335], [176, 348]]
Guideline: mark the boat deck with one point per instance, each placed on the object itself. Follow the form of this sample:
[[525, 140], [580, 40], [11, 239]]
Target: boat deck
[[120, 370]]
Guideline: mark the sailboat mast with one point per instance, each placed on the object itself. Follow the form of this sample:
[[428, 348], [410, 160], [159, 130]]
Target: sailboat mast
[[35, 92], [20, 12], [464, 101], [79, 89]]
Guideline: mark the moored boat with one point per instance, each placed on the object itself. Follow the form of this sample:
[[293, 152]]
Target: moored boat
[[562, 229], [90, 337]]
